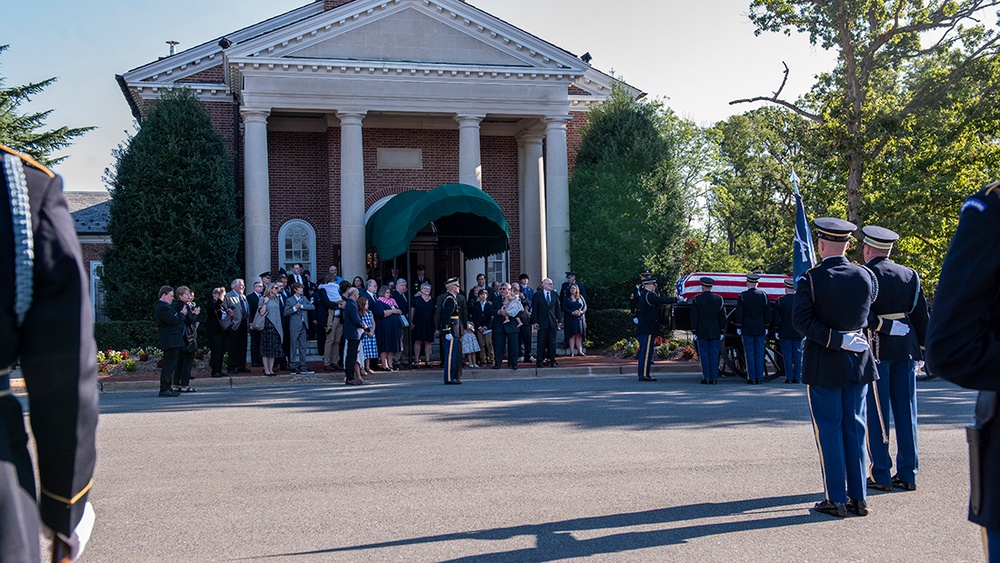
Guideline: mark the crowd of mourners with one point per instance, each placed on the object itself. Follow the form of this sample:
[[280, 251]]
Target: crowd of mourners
[[385, 326]]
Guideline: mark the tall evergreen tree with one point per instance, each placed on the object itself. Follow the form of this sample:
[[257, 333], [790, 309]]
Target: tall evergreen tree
[[626, 204], [19, 131], [173, 209]]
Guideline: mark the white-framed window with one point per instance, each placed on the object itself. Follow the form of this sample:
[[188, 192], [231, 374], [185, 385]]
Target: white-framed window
[[97, 291], [297, 243], [496, 267]]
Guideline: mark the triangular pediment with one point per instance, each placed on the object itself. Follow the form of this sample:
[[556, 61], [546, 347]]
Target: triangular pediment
[[436, 32], [410, 35]]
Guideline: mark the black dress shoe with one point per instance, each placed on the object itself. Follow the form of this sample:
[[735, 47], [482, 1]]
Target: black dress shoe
[[496, 366], [453, 382], [243, 370], [169, 393], [873, 484], [857, 507], [539, 365], [837, 509], [647, 378], [705, 382], [898, 483], [714, 382], [513, 367], [749, 382], [554, 364], [218, 374], [789, 381]]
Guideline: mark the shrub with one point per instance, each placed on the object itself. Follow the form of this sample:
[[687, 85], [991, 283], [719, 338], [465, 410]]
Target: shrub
[[123, 335], [130, 365], [663, 351], [687, 353]]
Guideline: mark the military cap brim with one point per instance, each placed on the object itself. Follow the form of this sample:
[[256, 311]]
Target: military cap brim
[[790, 283], [648, 279], [879, 237], [707, 281], [753, 277], [265, 275], [451, 282], [834, 229]]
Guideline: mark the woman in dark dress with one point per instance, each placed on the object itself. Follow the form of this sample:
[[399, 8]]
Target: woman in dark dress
[[574, 306], [271, 336], [422, 313], [388, 332]]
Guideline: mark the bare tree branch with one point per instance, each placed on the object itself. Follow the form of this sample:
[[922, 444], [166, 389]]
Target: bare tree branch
[[777, 101]]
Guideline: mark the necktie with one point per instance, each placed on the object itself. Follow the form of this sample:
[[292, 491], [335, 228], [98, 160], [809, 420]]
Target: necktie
[[548, 298], [243, 305]]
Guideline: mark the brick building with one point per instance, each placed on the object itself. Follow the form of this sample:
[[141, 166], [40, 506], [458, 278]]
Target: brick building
[[331, 109]]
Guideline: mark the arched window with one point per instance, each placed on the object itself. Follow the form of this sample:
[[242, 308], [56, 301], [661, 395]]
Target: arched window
[[297, 243]]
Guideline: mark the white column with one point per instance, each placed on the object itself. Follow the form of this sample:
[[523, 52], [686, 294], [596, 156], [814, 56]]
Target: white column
[[256, 196], [532, 230], [556, 196], [470, 171], [352, 194]]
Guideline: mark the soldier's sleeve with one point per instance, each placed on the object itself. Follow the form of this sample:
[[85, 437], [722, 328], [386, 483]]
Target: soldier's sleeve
[[919, 316], [738, 311], [723, 320], [694, 315], [60, 374], [804, 317], [962, 347]]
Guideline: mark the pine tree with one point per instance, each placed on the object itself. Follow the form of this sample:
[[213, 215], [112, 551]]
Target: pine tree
[[20, 131], [173, 210]]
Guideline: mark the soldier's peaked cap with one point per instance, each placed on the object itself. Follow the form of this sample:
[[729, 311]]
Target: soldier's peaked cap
[[833, 229], [451, 282], [790, 283], [707, 281], [649, 279], [754, 277], [879, 237]]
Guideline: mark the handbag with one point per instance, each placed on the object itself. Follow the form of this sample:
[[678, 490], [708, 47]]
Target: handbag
[[258, 321], [226, 321], [403, 322]]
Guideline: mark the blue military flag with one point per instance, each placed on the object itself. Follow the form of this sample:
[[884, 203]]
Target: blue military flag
[[804, 257]]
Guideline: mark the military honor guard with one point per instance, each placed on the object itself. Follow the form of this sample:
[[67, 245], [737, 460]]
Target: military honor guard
[[48, 289], [752, 315], [789, 339], [832, 302], [451, 315], [963, 347], [897, 323], [708, 325], [648, 326]]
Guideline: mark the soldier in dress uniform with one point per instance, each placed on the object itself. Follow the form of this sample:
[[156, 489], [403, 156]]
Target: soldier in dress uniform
[[752, 314], [648, 326], [451, 315], [38, 245], [633, 299], [708, 325], [963, 346], [831, 307], [789, 339], [897, 323]]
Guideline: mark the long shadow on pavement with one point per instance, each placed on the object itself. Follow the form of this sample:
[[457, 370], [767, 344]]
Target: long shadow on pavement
[[554, 540]]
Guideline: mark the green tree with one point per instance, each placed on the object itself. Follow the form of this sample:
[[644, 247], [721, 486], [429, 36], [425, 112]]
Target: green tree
[[625, 199], [173, 206], [20, 131]]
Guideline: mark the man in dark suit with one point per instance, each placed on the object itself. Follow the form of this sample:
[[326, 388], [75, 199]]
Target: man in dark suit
[[753, 314], [376, 307], [962, 347], [237, 338], [831, 307], [499, 336], [401, 295], [789, 338], [170, 332], [546, 317], [481, 312], [708, 323], [421, 279], [898, 323], [284, 295], [253, 301], [47, 289]]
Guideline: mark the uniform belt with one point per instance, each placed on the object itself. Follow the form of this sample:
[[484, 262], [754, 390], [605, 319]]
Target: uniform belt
[[849, 331], [893, 316]]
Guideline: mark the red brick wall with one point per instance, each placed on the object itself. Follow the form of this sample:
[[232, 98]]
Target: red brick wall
[[500, 181], [440, 161], [573, 138], [212, 74], [91, 252], [299, 185]]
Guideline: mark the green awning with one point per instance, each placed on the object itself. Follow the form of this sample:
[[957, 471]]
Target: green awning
[[464, 215]]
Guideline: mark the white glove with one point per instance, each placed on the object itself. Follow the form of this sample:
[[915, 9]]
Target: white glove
[[854, 342], [739, 331], [694, 338], [767, 332], [80, 536], [899, 329], [635, 320], [448, 337], [919, 366], [722, 337]]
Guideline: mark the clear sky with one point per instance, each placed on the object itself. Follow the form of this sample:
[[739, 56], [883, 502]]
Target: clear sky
[[696, 54]]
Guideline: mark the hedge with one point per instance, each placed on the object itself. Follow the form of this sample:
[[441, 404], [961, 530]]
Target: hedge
[[125, 335], [607, 326]]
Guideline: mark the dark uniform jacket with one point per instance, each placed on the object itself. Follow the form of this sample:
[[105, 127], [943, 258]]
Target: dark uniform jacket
[[783, 320], [649, 312], [708, 316], [752, 313], [899, 291], [449, 306], [830, 299], [169, 325], [963, 337], [60, 375]]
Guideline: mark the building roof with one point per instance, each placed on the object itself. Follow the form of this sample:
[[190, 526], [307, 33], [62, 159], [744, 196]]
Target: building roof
[[90, 211]]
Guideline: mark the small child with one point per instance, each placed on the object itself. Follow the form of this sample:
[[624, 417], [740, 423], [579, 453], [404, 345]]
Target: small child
[[514, 308], [470, 345]]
